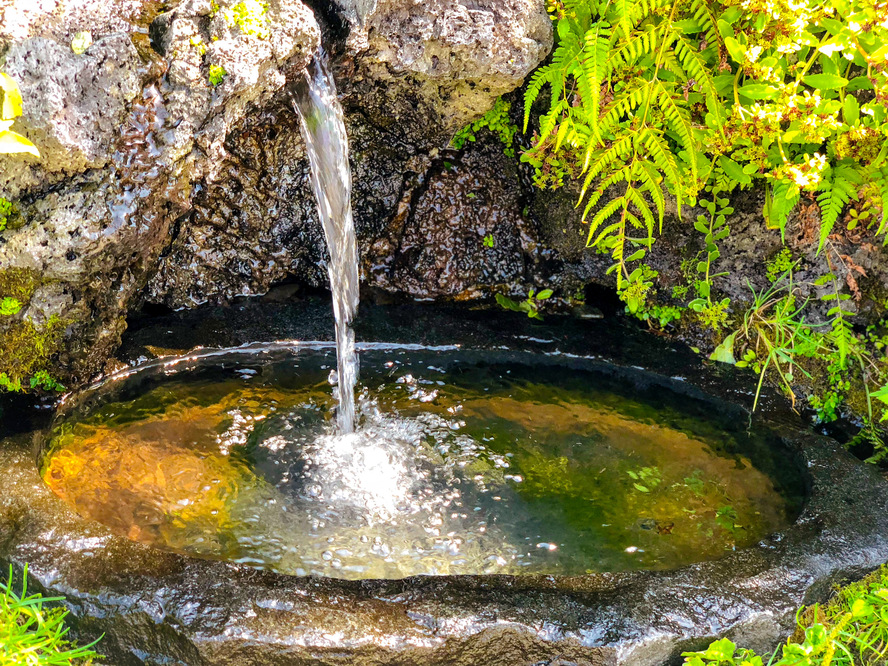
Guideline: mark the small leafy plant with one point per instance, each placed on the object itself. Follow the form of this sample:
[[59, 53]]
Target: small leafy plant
[[497, 121], [33, 633], [530, 305], [216, 74], [712, 314], [852, 630]]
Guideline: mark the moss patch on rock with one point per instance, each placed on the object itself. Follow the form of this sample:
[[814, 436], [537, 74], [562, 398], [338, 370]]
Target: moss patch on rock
[[27, 350], [19, 283]]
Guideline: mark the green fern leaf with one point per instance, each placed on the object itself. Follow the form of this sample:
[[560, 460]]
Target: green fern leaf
[[698, 70], [642, 206], [662, 156], [652, 180], [607, 159], [600, 217], [680, 122], [539, 79], [701, 10], [880, 180], [613, 179], [593, 71], [642, 9], [642, 43], [839, 190]]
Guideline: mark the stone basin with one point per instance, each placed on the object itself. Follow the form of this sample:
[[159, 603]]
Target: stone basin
[[157, 607]]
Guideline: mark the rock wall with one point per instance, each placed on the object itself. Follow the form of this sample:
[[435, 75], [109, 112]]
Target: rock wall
[[254, 222], [170, 156]]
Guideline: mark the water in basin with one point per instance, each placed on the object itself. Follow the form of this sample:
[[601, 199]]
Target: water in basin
[[463, 462]]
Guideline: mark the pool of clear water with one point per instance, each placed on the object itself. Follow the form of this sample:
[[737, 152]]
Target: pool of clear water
[[464, 462]]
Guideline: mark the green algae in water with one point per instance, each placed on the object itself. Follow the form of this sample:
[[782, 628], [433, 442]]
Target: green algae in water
[[464, 463]]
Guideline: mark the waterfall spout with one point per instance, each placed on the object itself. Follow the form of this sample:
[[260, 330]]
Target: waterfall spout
[[327, 146]]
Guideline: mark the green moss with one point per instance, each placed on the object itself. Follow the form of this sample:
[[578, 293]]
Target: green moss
[[250, 17], [5, 212], [217, 73], [26, 351], [19, 283]]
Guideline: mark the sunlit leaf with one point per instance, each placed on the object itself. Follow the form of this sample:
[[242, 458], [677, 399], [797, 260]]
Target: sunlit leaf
[[13, 142], [12, 97]]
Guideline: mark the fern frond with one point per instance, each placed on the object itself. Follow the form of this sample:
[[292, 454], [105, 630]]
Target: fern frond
[[537, 81], [699, 70], [621, 17], [880, 180], [599, 217], [607, 158], [641, 43], [671, 63], [652, 179], [633, 195], [662, 155], [555, 74], [624, 105], [642, 9], [839, 190], [592, 71], [680, 122], [702, 12], [616, 177]]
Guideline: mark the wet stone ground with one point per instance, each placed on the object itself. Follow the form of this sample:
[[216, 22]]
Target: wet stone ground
[[158, 607]]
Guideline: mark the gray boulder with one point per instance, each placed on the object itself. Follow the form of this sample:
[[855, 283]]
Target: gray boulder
[[125, 131]]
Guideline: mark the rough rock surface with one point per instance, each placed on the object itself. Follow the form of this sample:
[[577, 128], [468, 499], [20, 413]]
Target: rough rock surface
[[432, 67], [60, 20], [76, 105], [125, 131], [458, 232], [148, 169], [157, 607]]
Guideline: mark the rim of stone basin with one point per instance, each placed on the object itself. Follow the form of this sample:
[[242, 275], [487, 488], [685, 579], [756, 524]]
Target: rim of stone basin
[[156, 606]]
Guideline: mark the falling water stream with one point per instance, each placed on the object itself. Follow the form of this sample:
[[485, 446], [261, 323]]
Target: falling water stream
[[326, 143]]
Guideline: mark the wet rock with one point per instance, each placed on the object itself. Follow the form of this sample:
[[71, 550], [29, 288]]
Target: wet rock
[[251, 57], [459, 231], [92, 241], [258, 224], [157, 607], [124, 132]]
